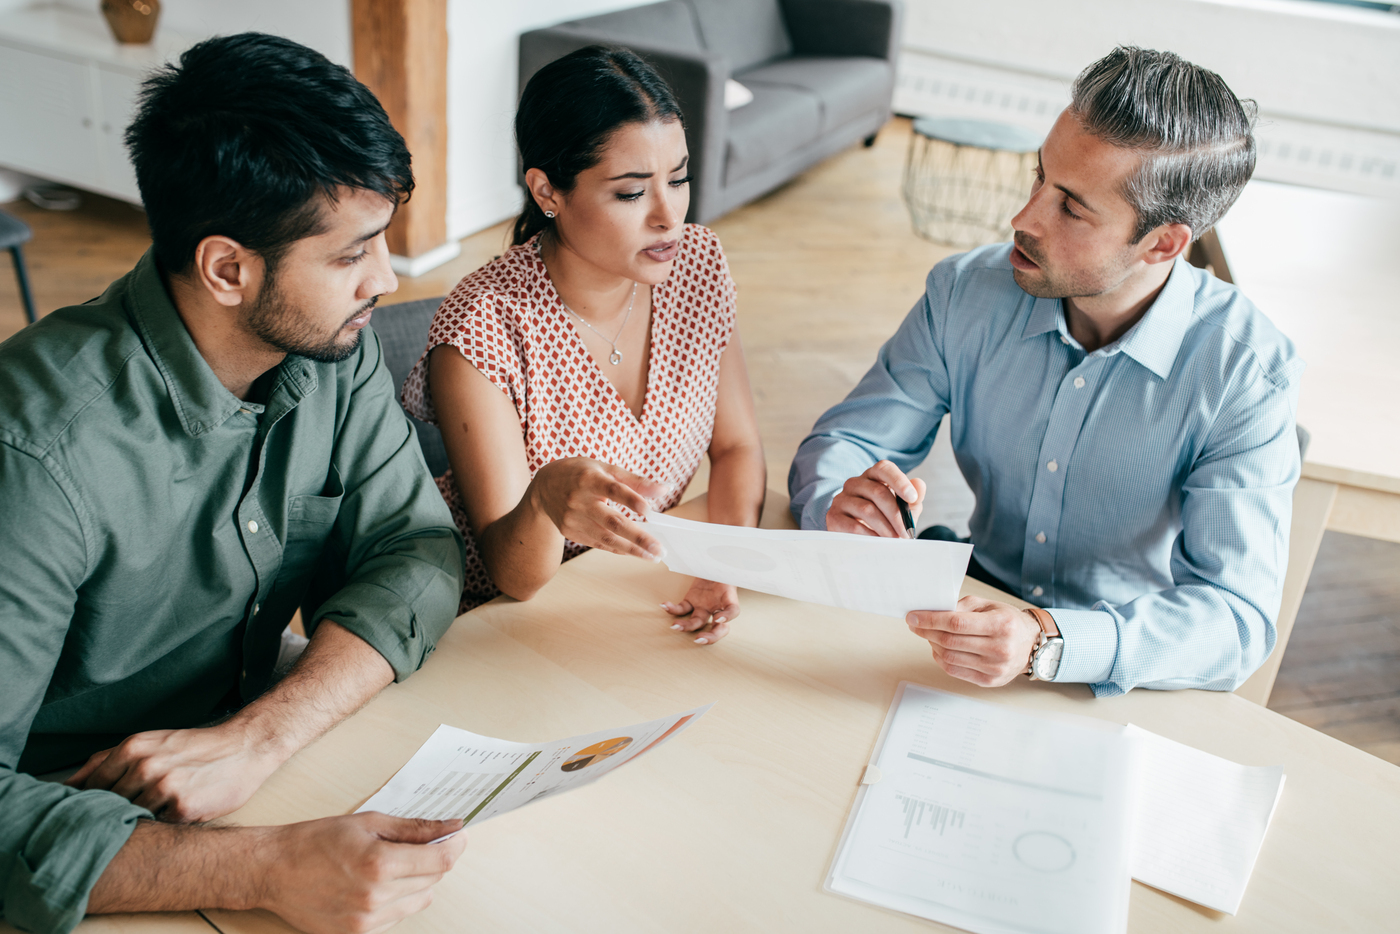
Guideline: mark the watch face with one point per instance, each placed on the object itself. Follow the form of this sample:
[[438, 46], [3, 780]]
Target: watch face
[[1047, 660]]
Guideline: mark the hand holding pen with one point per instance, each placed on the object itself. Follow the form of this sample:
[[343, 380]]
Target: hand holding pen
[[882, 502]]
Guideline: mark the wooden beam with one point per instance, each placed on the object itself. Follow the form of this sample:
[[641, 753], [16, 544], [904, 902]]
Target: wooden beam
[[401, 55]]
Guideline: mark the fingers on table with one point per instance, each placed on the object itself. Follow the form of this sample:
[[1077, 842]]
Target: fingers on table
[[709, 625]]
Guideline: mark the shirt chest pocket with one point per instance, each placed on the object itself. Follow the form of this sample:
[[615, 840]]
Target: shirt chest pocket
[[310, 521]]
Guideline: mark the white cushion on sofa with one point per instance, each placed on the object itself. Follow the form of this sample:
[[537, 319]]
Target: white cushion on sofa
[[736, 95]]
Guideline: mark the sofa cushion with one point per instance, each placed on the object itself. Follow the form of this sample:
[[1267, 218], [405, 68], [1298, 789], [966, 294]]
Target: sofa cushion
[[669, 25], [745, 32], [847, 87], [779, 121]]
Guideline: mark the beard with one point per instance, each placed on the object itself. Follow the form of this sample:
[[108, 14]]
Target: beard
[[1079, 283], [281, 325]]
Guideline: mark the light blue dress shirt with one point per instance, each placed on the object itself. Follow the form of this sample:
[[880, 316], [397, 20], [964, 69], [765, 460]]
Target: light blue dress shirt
[[1142, 493]]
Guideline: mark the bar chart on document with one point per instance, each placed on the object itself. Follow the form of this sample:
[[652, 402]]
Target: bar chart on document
[[465, 784], [928, 817]]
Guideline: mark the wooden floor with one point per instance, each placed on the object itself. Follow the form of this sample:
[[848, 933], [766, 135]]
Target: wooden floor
[[827, 267]]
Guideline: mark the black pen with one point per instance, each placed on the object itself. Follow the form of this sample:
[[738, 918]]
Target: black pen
[[906, 515]]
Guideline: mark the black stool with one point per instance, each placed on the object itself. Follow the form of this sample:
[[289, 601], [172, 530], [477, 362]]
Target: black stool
[[14, 233]]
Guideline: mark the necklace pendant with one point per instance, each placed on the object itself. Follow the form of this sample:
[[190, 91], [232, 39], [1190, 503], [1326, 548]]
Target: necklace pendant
[[615, 357]]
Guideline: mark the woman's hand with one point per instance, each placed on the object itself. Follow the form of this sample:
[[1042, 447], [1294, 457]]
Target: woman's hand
[[574, 494], [706, 610]]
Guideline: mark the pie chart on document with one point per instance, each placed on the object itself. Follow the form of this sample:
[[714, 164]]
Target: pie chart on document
[[589, 755]]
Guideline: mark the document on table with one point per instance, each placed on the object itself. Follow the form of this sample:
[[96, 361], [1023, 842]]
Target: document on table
[[993, 820], [1200, 820], [889, 576], [457, 774]]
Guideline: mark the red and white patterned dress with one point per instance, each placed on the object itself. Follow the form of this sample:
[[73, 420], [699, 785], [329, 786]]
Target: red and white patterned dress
[[509, 322]]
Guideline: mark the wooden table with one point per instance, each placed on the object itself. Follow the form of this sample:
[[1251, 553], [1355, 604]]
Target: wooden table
[[732, 826]]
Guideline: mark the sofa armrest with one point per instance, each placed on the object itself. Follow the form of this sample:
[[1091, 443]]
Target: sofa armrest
[[696, 78], [844, 27]]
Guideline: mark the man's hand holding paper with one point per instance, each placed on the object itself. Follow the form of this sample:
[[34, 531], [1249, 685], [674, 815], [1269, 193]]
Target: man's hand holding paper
[[982, 641]]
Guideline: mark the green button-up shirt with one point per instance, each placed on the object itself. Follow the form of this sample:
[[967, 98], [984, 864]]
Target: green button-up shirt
[[156, 535]]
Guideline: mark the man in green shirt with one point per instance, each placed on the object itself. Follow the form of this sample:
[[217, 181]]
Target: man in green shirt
[[184, 461]]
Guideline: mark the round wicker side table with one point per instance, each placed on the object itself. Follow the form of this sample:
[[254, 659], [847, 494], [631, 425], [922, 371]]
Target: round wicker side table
[[965, 179]]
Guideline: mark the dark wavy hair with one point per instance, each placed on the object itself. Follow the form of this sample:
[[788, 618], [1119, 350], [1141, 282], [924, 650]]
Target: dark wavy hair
[[572, 106], [241, 137]]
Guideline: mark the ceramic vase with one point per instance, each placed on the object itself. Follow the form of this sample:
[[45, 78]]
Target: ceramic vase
[[131, 21]]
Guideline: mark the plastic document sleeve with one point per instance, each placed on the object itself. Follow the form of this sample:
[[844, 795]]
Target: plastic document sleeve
[[991, 820]]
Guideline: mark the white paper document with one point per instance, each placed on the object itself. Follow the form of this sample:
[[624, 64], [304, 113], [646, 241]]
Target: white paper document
[[1200, 820], [457, 774], [992, 820], [889, 576]]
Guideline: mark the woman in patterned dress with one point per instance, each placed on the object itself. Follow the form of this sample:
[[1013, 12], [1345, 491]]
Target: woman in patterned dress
[[580, 377]]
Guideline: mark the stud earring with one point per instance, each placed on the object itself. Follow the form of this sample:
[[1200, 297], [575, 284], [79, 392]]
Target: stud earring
[[549, 214]]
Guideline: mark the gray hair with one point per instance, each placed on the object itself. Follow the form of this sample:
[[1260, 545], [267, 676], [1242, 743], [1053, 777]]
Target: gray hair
[[1194, 135]]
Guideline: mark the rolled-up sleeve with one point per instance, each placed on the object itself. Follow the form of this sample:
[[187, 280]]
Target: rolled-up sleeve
[[892, 414], [55, 841], [403, 573]]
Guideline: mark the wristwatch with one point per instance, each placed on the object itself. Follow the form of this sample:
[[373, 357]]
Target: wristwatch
[[1044, 662]]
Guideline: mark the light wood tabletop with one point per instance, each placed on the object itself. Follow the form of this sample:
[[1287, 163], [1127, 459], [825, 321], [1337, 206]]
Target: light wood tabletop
[[732, 826]]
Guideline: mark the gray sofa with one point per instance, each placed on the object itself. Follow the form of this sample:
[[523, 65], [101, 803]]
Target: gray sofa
[[403, 333], [821, 72]]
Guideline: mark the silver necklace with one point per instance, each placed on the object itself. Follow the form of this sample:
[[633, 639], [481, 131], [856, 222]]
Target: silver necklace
[[616, 356]]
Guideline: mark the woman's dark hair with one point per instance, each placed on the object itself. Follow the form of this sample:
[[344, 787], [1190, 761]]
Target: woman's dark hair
[[572, 106], [241, 136]]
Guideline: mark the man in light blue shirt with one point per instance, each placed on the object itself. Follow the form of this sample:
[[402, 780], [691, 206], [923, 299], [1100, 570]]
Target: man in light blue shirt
[[1125, 420]]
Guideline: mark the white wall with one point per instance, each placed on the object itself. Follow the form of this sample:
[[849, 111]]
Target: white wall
[[481, 94], [324, 25], [1325, 76]]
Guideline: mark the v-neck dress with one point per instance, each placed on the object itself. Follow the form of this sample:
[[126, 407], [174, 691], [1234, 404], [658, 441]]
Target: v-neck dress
[[507, 320]]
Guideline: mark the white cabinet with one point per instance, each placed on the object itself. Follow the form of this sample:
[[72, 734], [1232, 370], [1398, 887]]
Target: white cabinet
[[67, 93], [116, 97], [46, 116]]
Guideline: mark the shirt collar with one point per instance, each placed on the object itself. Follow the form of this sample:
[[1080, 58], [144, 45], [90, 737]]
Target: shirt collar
[[1154, 340], [202, 402]]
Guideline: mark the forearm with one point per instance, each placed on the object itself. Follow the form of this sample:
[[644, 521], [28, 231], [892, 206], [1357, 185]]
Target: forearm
[[337, 674], [170, 867], [738, 482], [523, 549], [1194, 636]]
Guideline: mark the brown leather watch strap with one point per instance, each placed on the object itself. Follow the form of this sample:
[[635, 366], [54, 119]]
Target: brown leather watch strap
[[1046, 621]]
